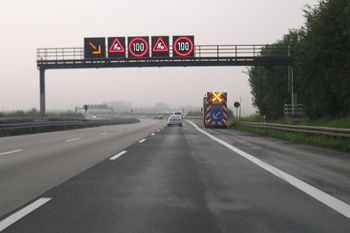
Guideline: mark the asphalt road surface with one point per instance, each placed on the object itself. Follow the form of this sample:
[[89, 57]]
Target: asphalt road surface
[[149, 178]]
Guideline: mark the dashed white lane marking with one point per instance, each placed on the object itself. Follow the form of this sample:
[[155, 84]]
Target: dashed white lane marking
[[10, 152], [141, 141], [330, 201], [153, 134], [158, 130], [73, 139], [103, 133], [117, 155], [23, 212]]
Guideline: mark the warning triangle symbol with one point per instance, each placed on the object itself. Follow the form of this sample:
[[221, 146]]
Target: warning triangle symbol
[[116, 47], [160, 46]]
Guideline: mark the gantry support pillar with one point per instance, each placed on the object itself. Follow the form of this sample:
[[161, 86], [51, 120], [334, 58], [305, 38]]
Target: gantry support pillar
[[42, 93]]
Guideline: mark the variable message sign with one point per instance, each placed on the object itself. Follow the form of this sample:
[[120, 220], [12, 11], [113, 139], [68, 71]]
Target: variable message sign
[[116, 47], [94, 48], [138, 46], [183, 46], [160, 46]]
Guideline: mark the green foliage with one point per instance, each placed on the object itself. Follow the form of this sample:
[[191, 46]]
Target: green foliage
[[253, 118], [35, 113], [32, 113], [269, 84], [318, 140], [230, 114], [64, 114], [194, 113], [322, 65], [323, 59], [343, 122]]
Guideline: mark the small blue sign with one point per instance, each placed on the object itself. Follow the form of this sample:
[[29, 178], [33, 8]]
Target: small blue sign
[[216, 115]]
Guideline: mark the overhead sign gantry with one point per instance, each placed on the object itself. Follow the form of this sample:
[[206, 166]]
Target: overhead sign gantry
[[155, 51]]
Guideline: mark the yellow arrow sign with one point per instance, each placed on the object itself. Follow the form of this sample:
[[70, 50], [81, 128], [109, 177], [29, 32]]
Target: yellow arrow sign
[[94, 47]]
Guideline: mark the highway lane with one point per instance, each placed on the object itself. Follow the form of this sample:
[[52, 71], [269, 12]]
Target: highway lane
[[32, 164], [181, 181], [325, 169]]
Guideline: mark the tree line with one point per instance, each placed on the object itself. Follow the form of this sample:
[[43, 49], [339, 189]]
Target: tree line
[[321, 54]]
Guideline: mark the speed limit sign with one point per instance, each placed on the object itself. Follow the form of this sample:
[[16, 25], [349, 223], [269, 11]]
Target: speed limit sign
[[138, 46], [183, 46]]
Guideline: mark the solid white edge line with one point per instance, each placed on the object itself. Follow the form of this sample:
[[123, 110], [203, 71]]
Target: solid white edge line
[[337, 205], [10, 152], [73, 139], [23, 212], [117, 155], [141, 141]]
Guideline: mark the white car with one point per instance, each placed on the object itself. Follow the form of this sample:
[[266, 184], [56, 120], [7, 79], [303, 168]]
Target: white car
[[174, 120]]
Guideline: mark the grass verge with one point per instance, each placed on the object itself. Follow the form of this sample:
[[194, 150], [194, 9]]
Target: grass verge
[[339, 143]]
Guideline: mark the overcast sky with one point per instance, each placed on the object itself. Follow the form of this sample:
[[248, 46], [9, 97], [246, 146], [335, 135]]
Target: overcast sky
[[28, 25]]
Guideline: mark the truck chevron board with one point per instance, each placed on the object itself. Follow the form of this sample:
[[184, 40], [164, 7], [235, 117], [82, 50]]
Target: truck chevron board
[[215, 109]]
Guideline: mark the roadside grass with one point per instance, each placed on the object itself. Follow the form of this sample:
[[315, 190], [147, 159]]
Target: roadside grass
[[338, 143], [343, 122]]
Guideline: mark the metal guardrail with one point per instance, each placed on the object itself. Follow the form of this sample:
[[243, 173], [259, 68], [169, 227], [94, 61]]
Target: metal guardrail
[[11, 120], [15, 126], [336, 132]]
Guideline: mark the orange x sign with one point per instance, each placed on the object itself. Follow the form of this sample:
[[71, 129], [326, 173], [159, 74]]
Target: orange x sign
[[217, 96]]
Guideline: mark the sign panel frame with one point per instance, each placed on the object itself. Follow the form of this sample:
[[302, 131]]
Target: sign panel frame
[[138, 47], [216, 115], [183, 46], [160, 46], [94, 47], [116, 47]]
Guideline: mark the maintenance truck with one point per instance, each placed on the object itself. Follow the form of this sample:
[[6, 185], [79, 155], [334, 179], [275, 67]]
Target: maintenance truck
[[215, 110]]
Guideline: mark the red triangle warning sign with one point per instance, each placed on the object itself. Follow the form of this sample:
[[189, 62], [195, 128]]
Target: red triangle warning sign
[[160, 46], [116, 47]]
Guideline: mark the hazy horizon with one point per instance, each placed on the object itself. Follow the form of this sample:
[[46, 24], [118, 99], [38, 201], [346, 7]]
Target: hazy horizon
[[61, 24]]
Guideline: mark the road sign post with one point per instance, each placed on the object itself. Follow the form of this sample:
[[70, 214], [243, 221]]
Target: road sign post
[[236, 104]]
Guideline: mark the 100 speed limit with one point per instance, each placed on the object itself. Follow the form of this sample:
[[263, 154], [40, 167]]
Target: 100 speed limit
[[138, 47], [183, 46]]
